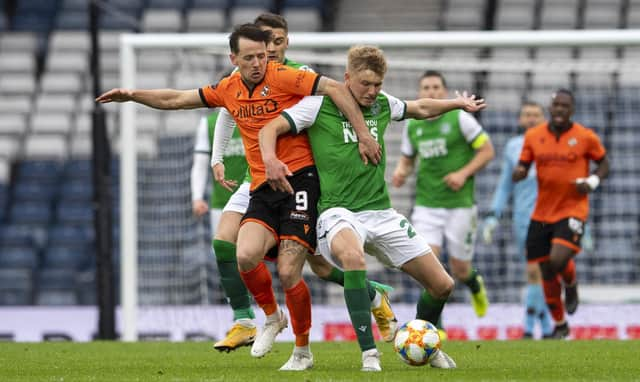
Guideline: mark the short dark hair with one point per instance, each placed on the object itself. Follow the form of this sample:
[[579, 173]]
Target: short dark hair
[[564, 91], [434, 73], [249, 31], [271, 20]]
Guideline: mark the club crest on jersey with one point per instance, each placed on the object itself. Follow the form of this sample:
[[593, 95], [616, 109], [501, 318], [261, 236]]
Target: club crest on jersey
[[445, 128], [572, 142], [265, 91], [375, 108]]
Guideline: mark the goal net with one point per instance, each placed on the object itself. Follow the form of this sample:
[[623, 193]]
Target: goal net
[[165, 251]]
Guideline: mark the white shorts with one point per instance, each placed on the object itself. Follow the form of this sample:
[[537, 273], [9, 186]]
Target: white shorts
[[239, 201], [457, 225], [385, 234]]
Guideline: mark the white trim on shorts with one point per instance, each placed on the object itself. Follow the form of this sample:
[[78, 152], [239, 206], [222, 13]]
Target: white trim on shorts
[[385, 234], [457, 225], [239, 201]]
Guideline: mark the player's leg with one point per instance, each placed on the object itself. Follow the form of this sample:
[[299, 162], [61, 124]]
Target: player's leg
[[460, 233], [535, 306], [429, 223], [254, 240], [568, 233], [297, 217], [243, 332]]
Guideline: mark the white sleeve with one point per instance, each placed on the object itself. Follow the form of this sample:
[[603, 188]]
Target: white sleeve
[[202, 138], [303, 114], [199, 173], [221, 135], [406, 148], [469, 126], [397, 106]]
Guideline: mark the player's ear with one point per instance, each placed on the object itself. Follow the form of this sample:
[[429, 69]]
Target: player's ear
[[234, 59], [346, 76]]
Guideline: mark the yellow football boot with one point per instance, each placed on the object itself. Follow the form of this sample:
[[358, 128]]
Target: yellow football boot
[[239, 335]]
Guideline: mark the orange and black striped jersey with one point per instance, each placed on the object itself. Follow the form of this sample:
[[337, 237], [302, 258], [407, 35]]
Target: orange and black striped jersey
[[281, 88]]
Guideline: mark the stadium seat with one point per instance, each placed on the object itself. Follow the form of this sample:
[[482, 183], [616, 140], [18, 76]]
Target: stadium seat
[[72, 20], [76, 191], [206, 20], [11, 123], [61, 83], [18, 42], [18, 257], [34, 191], [39, 170], [162, 20], [55, 287], [12, 235], [80, 5], [56, 103], [303, 19], [602, 14], [38, 213], [11, 104], [70, 236], [212, 4], [17, 83], [45, 147], [63, 257], [54, 123], [74, 213], [19, 61], [63, 61], [16, 286], [166, 4]]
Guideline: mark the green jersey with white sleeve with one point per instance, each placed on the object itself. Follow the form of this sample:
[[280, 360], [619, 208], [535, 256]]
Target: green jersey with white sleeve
[[344, 179], [443, 145]]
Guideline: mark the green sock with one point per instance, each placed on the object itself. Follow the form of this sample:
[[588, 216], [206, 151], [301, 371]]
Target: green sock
[[337, 276], [232, 283], [472, 281], [355, 296], [430, 308]]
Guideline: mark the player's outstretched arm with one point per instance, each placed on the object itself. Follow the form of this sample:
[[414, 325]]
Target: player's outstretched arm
[[369, 148], [165, 99], [276, 171], [429, 107]]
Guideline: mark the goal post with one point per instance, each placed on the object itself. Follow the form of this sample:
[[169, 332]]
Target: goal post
[[332, 48]]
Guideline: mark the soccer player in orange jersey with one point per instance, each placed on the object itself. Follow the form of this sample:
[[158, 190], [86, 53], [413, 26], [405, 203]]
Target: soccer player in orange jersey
[[255, 94], [562, 151]]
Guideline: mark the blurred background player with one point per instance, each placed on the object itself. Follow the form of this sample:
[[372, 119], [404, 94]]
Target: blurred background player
[[452, 148], [562, 151], [524, 198], [224, 244], [356, 213]]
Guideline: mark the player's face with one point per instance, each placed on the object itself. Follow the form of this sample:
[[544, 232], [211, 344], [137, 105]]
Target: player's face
[[561, 109], [530, 116], [251, 60], [364, 85], [277, 47], [432, 87]]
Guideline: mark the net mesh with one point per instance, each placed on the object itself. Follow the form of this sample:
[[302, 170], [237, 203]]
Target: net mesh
[[176, 263]]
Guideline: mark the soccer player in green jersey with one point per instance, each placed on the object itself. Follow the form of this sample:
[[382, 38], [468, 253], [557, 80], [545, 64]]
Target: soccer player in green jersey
[[452, 148], [355, 210], [243, 332]]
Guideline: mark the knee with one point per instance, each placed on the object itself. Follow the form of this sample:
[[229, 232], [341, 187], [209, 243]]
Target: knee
[[289, 276], [533, 274], [319, 267], [246, 259], [353, 259], [444, 288]]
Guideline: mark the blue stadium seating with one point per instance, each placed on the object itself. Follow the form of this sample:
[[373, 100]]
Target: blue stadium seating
[[77, 169], [16, 286], [39, 170], [76, 191], [56, 287], [16, 236], [18, 257], [34, 213], [31, 190], [72, 20], [74, 213], [166, 4], [217, 4], [70, 235], [63, 257]]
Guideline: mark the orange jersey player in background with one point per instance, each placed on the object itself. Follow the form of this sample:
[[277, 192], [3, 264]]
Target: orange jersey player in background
[[255, 95], [562, 151]]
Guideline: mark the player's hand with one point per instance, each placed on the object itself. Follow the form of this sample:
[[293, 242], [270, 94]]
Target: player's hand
[[519, 173], [115, 95], [455, 180], [218, 175], [276, 173], [199, 207], [488, 226], [399, 178], [587, 185], [370, 150], [470, 103]]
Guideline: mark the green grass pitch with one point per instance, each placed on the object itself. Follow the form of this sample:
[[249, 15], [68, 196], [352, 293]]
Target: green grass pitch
[[334, 361]]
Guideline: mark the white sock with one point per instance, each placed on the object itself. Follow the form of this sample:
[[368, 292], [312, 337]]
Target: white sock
[[302, 349], [376, 300], [275, 316], [246, 322]]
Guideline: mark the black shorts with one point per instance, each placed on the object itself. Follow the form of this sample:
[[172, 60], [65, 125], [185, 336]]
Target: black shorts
[[541, 236], [289, 217]]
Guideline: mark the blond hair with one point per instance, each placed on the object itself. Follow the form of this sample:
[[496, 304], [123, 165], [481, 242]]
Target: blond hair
[[365, 57]]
